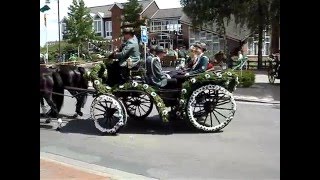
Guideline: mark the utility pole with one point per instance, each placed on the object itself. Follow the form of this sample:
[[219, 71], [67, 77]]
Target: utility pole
[[59, 30]]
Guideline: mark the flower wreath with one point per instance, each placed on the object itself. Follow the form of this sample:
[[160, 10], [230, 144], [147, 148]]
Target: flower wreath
[[229, 80], [99, 71]]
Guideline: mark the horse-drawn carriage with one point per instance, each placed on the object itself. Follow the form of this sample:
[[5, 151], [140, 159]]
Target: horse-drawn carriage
[[204, 100]]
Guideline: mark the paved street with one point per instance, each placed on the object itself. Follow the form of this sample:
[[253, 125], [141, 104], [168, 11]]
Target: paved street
[[248, 148]]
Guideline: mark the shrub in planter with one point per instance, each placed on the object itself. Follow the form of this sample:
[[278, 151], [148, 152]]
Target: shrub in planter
[[247, 78]]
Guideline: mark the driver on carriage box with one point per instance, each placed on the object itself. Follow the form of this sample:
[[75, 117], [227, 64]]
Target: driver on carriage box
[[130, 53], [128, 56]]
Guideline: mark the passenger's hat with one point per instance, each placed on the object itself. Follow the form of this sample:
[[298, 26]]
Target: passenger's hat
[[160, 49], [201, 46]]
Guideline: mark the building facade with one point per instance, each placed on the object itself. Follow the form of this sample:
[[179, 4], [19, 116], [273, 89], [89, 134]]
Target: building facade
[[171, 28]]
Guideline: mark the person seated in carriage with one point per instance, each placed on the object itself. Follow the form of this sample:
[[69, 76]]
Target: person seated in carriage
[[128, 56], [197, 64], [154, 74]]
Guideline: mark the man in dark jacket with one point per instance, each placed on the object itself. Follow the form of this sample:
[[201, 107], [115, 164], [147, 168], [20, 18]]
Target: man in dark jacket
[[155, 76], [128, 56]]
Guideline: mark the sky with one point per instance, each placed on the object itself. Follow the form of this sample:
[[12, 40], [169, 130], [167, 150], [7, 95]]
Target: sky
[[52, 14]]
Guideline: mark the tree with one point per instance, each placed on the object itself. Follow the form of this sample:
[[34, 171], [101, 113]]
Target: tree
[[79, 23], [131, 13], [275, 25], [255, 14], [206, 13]]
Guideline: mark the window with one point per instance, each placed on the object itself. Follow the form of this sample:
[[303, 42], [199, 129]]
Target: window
[[108, 28], [97, 24], [253, 45], [156, 26], [191, 41], [215, 44]]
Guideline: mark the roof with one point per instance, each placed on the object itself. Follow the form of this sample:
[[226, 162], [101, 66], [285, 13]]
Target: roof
[[102, 9], [233, 30], [105, 9], [168, 13]]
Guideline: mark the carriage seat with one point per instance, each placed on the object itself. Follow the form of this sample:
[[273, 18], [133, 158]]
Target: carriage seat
[[137, 72]]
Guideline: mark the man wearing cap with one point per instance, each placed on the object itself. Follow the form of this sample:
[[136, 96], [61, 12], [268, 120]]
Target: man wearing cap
[[201, 62], [129, 54], [152, 52], [155, 76]]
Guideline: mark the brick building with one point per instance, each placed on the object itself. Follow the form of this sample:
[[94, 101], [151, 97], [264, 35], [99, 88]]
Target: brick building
[[172, 28]]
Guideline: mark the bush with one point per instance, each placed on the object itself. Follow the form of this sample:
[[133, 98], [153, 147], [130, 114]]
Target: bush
[[247, 78]]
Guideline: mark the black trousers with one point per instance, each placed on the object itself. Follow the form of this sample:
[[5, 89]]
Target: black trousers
[[171, 84], [117, 74]]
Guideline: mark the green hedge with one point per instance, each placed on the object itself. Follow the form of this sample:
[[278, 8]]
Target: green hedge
[[247, 78]]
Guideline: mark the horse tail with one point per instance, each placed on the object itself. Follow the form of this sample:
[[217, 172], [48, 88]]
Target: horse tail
[[58, 88]]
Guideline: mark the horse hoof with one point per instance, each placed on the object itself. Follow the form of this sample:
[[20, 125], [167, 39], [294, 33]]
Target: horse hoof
[[48, 121], [80, 113], [75, 115]]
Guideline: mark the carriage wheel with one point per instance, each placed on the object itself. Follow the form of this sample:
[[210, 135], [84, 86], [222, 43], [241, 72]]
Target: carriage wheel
[[108, 114], [271, 74], [138, 105], [210, 108]]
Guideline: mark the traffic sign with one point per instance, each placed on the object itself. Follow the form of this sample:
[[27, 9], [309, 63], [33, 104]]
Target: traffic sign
[[144, 34]]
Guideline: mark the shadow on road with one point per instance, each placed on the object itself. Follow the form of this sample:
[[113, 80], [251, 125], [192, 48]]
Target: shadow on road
[[151, 125]]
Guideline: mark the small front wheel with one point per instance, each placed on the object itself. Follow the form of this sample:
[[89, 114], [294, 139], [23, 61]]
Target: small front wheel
[[108, 114]]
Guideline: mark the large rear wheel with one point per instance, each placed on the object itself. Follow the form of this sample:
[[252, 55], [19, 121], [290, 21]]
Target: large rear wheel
[[210, 108]]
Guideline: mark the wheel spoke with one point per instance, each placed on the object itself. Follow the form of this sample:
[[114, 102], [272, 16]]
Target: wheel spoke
[[210, 118], [103, 110], [144, 98], [224, 102], [139, 110], [216, 117], [223, 108], [143, 110], [219, 113], [100, 104], [145, 105]]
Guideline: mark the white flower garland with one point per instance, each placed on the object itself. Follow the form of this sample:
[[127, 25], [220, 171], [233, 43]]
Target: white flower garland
[[145, 86], [96, 82], [134, 84]]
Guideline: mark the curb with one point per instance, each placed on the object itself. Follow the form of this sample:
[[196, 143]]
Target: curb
[[92, 168], [255, 99]]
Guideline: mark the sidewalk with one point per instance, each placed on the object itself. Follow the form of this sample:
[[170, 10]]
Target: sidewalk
[[262, 91], [56, 167], [54, 170]]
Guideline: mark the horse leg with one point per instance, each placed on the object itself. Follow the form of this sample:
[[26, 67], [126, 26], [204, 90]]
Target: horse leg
[[78, 104], [53, 111]]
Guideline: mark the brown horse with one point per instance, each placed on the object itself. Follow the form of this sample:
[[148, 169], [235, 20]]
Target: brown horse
[[53, 82]]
